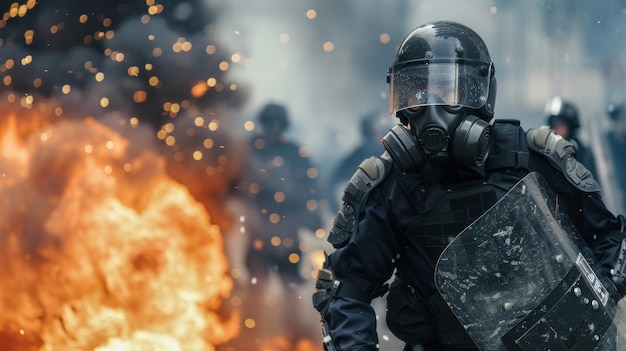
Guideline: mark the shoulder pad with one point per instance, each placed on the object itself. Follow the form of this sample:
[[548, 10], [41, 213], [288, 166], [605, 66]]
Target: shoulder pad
[[560, 153], [368, 175]]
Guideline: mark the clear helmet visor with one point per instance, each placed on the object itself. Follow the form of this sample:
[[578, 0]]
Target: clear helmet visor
[[439, 83]]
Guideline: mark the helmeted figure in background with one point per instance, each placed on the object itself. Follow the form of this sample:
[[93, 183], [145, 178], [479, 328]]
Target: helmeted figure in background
[[281, 187], [281, 194], [616, 139], [445, 165], [372, 127], [563, 117]]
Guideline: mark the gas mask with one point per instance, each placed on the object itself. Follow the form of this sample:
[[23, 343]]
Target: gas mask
[[442, 86], [438, 135]]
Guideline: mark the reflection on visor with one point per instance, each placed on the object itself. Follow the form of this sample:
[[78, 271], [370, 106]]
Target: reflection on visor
[[450, 83]]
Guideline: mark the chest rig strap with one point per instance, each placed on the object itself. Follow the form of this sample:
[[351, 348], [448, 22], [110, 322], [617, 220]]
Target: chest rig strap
[[510, 148]]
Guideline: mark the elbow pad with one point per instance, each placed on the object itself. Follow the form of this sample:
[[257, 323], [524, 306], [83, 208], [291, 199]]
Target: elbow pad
[[561, 154], [325, 285]]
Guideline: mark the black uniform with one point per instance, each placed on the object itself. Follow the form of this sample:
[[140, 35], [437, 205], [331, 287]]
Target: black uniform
[[407, 221], [444, 166], [278, 186]]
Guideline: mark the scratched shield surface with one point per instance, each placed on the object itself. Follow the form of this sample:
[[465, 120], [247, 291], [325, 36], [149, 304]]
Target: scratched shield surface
[[507, 264]]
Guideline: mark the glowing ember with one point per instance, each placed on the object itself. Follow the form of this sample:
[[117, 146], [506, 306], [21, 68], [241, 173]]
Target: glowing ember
[[99, 248]]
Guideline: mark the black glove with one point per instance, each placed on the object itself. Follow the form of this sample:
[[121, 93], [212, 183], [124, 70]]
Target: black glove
[[610, 251]]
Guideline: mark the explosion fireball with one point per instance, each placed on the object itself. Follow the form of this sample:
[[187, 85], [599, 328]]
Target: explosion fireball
[[100, 248]]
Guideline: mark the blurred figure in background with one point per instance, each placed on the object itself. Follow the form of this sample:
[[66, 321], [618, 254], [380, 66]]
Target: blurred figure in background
[[616, 138], [373, 127], [564, 119], [278, 199]]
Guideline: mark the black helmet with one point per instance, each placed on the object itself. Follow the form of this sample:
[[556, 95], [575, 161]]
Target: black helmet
[[615, 111], [557, 109], [274, 117], [443, 63]]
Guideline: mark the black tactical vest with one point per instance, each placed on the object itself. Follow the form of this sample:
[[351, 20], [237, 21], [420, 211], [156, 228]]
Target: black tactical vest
[[445, 210], [455, 210]]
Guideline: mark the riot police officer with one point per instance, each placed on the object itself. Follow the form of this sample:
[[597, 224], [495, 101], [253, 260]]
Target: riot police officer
[[616, 140], [563, 117], [443, 166], [277, 189]]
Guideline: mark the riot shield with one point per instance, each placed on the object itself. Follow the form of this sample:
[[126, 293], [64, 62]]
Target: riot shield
[[521, 278]]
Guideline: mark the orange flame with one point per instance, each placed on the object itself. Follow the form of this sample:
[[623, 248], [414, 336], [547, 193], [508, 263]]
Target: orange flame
[[99, 248]]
